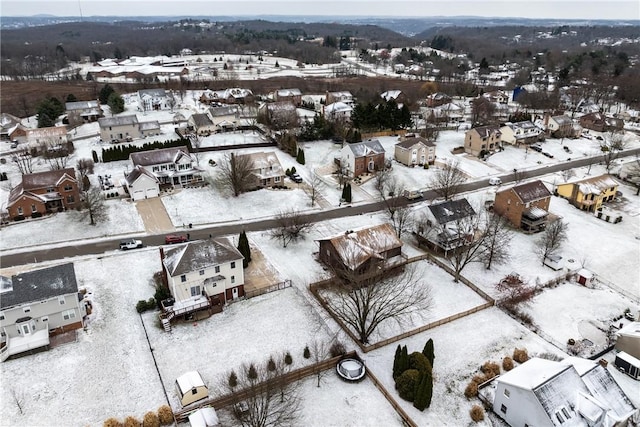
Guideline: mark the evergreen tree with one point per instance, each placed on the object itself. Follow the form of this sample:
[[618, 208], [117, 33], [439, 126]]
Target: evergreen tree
[[244, 249], [94, 155], [396, 362], [428, 351], [404, 360], [424, 389], [347, 195], [300, 156], [71, 98], [104, 94], [116, 103]]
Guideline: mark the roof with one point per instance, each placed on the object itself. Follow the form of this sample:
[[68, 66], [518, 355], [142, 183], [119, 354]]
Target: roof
[[160, 93], [562, 120], [200, 254], [150, 125], [227, 110], [38, 285], [38, 180], [410, 142], [189, 380], [204, 417], [264, 164], [356, 247], [530, 191], [81, 105], [136, 173], [486, 131], [129, 120], [451, 210], [201, 120], [48, 132], [391, 94], [632, 329], [366, 148], [288, 92], [337, 107], [159, 156], [596, 185]]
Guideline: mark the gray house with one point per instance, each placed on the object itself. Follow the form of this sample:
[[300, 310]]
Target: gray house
[[119, 128], [447, 225], [37, 304]]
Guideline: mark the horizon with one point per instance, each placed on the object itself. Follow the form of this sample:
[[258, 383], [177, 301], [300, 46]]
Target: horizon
[[626, 10]]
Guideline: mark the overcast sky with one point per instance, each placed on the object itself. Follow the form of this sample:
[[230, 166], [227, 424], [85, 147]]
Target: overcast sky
[[567, 9]]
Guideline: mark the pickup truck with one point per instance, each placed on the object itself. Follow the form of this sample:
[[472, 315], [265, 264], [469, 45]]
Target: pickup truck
[[130, 244]]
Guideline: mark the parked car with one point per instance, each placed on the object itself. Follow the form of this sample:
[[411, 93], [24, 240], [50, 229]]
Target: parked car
[[175, 238], [296, 178], [494, 180], [549, 155], [536, 147], [14, 144], [130, 244], [412, 194]]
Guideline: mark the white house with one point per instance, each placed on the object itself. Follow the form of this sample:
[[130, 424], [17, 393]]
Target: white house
[[141, 184], [338, 111], [173, 167], [202, 274], [155, 99], [36, 304], [573, 392], [520, 133]]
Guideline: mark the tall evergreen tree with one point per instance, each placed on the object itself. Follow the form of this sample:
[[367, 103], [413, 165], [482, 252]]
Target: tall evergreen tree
[[396, 362], [244, 249], [404, 360], [428, 351], [347, 193], [105, 92], [424, 391], [300, 156]]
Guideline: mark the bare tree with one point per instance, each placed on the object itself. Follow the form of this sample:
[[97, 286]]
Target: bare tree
[[23, 161], [18, 399], [390, 192], [314, 188], [236, 173], [319, 351], [470, 235], [84, 168], [290, 226], [514, 291], [94, 206], [262, 396], [364, 302], [555, 234], [55, 153], [196, 144], [496, 241], [611, 146], [448, 179]]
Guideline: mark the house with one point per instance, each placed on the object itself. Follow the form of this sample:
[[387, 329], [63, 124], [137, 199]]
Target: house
[[201, 123], [201, 275], [80, 112], [520, 133], [360, 250], [628, 339], [337, 112], [362, 157], [155, 100], [49, 136], [599, 122], [526, 206], [11, 128], [191, 388], [204, 417], [447, 225], [173, 167], [589, 194], [141, 184], [293, 96], [497, 97], [44, 192], [280, 115], [119, 128], [437, 99], [224, 118], [227, 96], [342, 96], [573, 392], [445, 113], [36, 304], [482, 140], [150, 128], [397, 95], [559, 126], [266, 169], [415, 151], [628, 364]]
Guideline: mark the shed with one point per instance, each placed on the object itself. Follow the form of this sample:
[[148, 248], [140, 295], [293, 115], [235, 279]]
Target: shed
[[584, 277], [555, 262], [204, 417], [191, 388], [628, 364]]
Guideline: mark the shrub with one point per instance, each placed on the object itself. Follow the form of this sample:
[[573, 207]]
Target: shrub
[[131, 422], [507, 363], [252, 373], [112, 422], [306, 353], [520, 355], [337, 349], [419, 362], [477, 413], [165, 414], [490, 369], [233, 379], [288, 359], [271, 364], [471, 390], [150, 420], [406, 384]]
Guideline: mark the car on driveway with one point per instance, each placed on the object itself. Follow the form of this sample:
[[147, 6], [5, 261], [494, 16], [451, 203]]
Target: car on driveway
[[130, 244], [296, 178], [175, 238], [536, 147]]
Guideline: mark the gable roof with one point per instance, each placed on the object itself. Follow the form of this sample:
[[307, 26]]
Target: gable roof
[[189, 380], [288, 92], [530, 191], [391, 94], [129, 120], [225, 110], [366, 148], [410, 142], [159, 93], [486, 131], [48, 132], [81, 105], [201, 120], [356, 247], [136, 173], [264, 164], [595, 185], [38, 285], [451, 210], [38, 180], [159, 156], [200, 254]]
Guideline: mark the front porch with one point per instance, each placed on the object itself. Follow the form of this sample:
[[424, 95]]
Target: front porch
[[534, 220]]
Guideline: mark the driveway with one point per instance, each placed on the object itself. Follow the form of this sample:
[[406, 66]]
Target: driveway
[[154, 215]]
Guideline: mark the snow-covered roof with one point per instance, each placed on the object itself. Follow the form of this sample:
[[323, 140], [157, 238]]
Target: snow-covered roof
[[366, 148], [39, 285], [52, 178], [632, 329], [136, 173], [199, 254], [48, 132], [201, 120], [486, 131], [81, 105], [189, 380], [127, 120], [149, 125], [288, 92], [596, 185], [159, 156], [391, 94], [530, 191], [226, 110], [204, 417], [337, 107], [451, 210], [410, 142], [154, 93]]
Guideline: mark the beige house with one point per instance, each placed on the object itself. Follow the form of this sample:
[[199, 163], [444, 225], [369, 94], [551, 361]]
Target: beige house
[[520, 133], [415, 151], [191, 388], [51, 136], [267, 170], [482, 139], [119, 128]]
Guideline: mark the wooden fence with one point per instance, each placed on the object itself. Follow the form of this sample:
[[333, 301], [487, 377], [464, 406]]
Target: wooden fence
[[288, 378], [272, 288], [405, 417]]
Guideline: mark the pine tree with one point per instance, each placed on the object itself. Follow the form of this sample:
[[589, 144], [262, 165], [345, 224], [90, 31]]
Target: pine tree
[[244, 248], [404, 360], [300, 156], [396, 362], [348, 193], [428, 351], [423, 392]]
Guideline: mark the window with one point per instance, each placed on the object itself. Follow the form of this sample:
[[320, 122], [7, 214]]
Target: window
[[233, 279], [1, 316], [506, 392], [61, 300], [233, 264], [44, 318], [194, 391], [68, 187], [27, 309], [217, 269], [33, 208], [276, 179], [70, 199], [19, 210], [195, 291], [69, 314], [183, 278], [503, 409], [51, 190], [201, 272]]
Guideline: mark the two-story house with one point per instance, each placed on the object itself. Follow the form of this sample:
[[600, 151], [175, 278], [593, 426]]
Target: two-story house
[[357, 251], [482, 140], [119, 128], [51, 137], [560, 126], [201, 275], [224, 118], [341, 96], [397, 95], [36, 304], [572, 392], [526, 206], [589, 194], [266, 169], [227, 96], [415, 151], [337, 112], [520, 133], [201, 124], [437, 99], [446, 226], [279, 115], [173, 167], [362, 157], [444, 113], [497, 96], [155, 99], [44, 192], [600, 123], [80, 112], [291, 95]]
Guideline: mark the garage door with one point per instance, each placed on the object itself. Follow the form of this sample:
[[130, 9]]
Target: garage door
[[152, 192]]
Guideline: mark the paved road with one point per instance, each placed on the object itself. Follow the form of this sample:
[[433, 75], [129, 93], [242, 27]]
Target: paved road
[[77, 249]]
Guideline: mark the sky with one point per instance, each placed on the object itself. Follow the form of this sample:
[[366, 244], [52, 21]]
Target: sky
[[566, 9]]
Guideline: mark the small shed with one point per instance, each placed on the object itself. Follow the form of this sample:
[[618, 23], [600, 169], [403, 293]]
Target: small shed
[[204, 417], [584, 277], [191, 388], [555, 262]]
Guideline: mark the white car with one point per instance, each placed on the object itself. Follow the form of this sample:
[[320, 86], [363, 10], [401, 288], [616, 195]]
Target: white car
[[130, 244], [495, 181]]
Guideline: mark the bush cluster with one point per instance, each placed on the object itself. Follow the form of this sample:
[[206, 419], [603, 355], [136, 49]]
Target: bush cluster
[[151, 420], [413, 375], [143, 305], [507, 363], [520, 355], [477, 413]]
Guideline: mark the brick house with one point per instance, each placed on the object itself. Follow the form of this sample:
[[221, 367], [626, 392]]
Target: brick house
[[292, 95], [589, 194], [437, 99], [415, 151], [600, 123], [526, 206], [44, 192], [397, 95], [482, 139], [50, 136], [342, 96], [362, 157]]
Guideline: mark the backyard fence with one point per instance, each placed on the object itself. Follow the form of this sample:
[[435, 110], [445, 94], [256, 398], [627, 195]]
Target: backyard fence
[[272, 288]]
